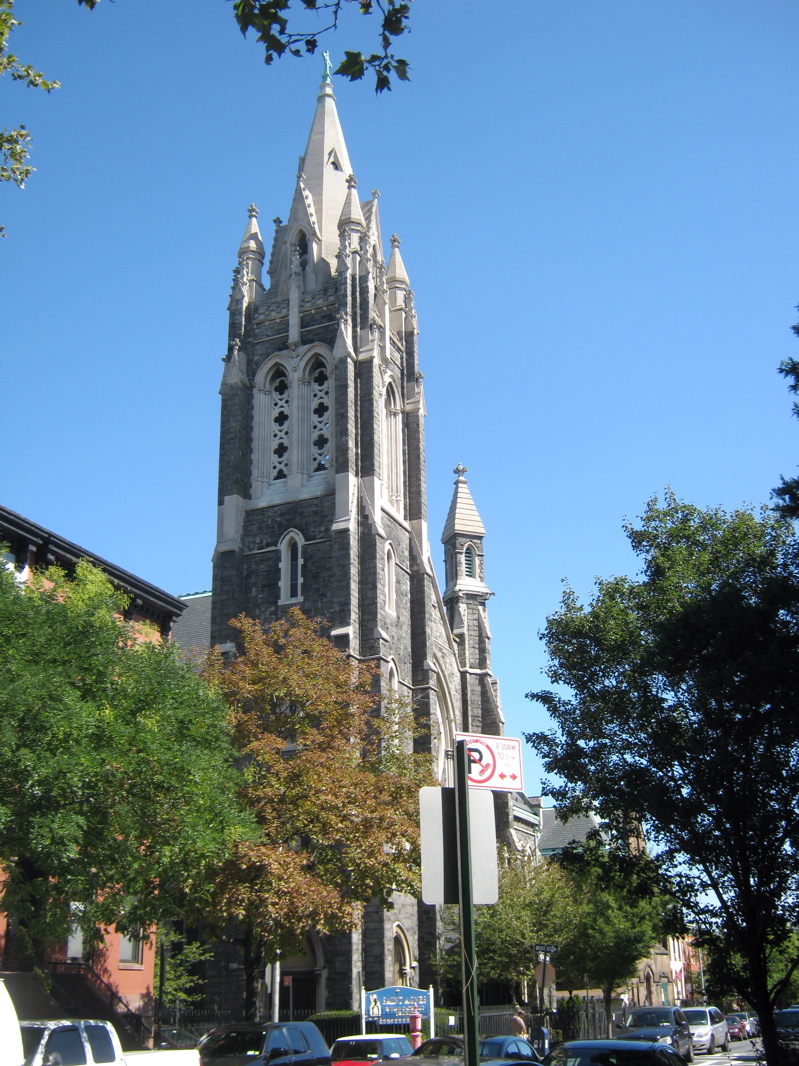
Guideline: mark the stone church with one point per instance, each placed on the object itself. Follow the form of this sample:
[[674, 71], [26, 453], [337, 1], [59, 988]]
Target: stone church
[[322, 502]]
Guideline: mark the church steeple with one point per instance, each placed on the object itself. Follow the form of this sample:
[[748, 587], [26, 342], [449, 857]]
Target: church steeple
[[319, 197]]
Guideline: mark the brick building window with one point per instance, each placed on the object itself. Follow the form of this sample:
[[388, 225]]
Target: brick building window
[[469, 566], [320, 418], [391, 580]]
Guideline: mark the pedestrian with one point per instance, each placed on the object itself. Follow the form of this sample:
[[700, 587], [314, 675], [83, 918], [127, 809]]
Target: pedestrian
[[518, 1025]]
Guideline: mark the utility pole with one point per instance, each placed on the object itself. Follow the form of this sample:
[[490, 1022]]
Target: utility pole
[[471, 1039]]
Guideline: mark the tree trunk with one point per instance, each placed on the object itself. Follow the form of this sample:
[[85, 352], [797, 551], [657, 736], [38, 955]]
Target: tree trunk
[[607, 995], [253, 968]]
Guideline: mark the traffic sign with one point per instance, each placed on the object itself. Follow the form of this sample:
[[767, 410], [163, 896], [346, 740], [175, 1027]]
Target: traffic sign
[[494, 762]]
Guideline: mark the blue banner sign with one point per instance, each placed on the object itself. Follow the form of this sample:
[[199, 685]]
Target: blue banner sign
[[387, 1006]]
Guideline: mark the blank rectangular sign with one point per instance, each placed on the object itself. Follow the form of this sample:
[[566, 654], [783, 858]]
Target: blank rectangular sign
[[440, 845]]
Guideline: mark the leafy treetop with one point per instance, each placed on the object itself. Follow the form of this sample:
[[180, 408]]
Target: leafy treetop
[[676, 708], [117, 776], [330, 777]]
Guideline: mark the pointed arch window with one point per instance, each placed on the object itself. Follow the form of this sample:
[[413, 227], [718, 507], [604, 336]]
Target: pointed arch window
[[449, 566], [302, 248], [291, 545], [320, 417], [279, 423], [469, 563], [392, 442], [391, 580]]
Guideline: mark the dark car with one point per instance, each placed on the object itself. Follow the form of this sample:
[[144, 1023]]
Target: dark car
[[508, 1047], [613, 1053], [286, 1044], [787, 1023], [491, 1047], [662, 1025]]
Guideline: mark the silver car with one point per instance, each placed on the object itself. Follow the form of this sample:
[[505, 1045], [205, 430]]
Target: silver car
[[709, 1029]]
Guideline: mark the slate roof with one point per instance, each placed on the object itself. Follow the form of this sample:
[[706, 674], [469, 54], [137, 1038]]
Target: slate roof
[[555, 835], [193, 628]]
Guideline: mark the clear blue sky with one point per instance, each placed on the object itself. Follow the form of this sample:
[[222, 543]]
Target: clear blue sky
[[597, 201]]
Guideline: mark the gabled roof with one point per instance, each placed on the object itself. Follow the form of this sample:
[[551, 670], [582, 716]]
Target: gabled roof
[[556, 835]]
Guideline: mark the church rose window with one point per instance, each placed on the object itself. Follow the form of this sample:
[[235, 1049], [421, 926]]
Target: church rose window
[[320, 418], [279, 388]]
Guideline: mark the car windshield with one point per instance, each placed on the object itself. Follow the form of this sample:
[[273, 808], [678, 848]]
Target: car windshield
[[356, 1049], [246, 1042], [645, 1018], [787, 1019], [696, 1016]]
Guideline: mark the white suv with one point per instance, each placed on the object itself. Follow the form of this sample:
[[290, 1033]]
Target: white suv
[[708, 1028]]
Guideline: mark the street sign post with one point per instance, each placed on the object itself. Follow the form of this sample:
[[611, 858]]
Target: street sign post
[[494, 762]]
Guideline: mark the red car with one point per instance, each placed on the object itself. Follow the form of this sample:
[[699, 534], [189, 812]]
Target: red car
[[736, 1027]]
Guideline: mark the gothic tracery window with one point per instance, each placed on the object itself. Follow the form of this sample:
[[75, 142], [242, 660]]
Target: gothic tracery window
[[280, 420], [320, 418]]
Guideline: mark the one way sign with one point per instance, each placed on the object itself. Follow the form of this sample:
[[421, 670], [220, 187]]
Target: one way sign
[[494, 762]]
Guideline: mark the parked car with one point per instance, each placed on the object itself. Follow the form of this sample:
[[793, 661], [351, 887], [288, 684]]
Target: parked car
[[172, 1036], [351, 1050], [787, 1023], [491, 1047], [708, 1029], [614, 1053], [662, 1025], [750, 1020], [736, 1027], [508, 1047], [286, 1044]]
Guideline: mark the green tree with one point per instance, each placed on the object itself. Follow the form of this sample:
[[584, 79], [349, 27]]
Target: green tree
[[678, 709], [621, 915], [787, 493], [332, 781], [117, 777], [534, 905]]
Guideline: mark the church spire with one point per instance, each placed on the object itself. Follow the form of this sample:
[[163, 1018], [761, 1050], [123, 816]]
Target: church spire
[[323, 173], [463, 517]]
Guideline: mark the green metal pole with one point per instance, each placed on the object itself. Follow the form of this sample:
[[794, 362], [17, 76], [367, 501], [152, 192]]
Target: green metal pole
[[471, 1038]]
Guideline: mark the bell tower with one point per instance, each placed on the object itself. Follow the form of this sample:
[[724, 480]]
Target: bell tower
[[322, 499]]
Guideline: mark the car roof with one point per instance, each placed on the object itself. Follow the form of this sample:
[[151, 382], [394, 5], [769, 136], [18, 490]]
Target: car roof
[[373, 1036]]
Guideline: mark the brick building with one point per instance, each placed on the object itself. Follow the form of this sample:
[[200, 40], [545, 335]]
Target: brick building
[[322, 502]]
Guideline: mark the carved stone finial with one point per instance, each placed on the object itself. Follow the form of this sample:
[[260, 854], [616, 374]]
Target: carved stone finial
[[278, 221], [328, 66], [351, 182], [252, 211], [395, 241], [460, 470], [375, 194]]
